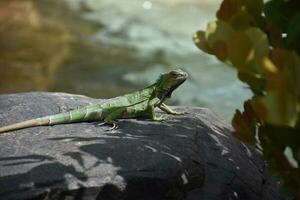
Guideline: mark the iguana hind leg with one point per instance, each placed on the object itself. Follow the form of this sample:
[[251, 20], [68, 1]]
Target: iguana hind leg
[[112, 118]]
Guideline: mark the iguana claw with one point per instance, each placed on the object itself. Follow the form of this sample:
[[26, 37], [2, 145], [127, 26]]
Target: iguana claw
[[161, 118], [113, 128], [101, 124], [179, 113]]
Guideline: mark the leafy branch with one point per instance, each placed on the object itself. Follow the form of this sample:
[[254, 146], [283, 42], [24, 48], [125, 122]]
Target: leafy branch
[[261, 41]]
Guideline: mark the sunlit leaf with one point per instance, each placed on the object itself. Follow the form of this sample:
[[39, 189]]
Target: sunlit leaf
[[241, 52], [218, 31], [269, 66], [287, 81], [215, 39], [260, 46], [201, 43], [247, 49], [218, 35]]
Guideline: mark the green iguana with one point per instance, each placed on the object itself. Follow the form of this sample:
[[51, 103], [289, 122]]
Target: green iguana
[[134, 105]]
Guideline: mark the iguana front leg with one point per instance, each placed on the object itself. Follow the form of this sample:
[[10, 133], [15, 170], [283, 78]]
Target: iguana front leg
[[155, 118], [168, 110]]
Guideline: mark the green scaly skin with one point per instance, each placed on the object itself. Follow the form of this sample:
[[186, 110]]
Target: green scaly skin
[[139, 104]]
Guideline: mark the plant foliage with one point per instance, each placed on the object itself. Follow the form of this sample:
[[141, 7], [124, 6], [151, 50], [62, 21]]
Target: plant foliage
[[262, 42]]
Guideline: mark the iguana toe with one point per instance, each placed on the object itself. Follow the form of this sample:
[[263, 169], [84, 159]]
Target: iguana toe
[[179, 113], [161, 118], [113, 128]]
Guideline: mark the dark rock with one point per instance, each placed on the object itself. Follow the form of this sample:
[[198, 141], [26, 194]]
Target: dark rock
[[188, 157]]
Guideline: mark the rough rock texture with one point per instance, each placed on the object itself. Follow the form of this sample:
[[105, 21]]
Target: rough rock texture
[[188, 157]]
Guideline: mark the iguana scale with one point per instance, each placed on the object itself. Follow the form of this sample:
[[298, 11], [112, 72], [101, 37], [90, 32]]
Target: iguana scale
[[134, 105]]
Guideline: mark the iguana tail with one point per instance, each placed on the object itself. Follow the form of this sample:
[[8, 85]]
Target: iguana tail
[[83, 114], [25, 124]]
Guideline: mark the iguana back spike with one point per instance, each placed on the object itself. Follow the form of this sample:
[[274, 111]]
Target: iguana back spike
[[25, 124]]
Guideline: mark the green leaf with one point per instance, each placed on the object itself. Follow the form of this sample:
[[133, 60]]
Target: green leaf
[[247, 49], [218, 35], [218, 31], [215, 39], [239, 52], [270, 65], [201, 43], [260, 46]]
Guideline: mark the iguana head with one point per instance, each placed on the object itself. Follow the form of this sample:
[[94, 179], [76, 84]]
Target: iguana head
[[168, 82]]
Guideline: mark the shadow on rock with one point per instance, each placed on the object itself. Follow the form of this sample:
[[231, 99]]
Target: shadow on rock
[[188, 157]]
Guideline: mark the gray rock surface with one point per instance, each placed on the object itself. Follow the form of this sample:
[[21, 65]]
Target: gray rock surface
[[188, 157]]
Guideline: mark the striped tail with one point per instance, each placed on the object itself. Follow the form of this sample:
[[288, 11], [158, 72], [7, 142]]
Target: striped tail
[[25, 124], [88, 113]]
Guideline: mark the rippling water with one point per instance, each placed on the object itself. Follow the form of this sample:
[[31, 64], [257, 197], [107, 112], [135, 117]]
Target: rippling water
[[158, 35], [132, 42]]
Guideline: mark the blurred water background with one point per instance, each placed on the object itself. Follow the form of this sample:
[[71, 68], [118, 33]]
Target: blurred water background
[[105, 48]]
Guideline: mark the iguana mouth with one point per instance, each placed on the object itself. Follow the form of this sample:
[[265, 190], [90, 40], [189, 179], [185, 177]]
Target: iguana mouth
[[180, 74], [181, 78]]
